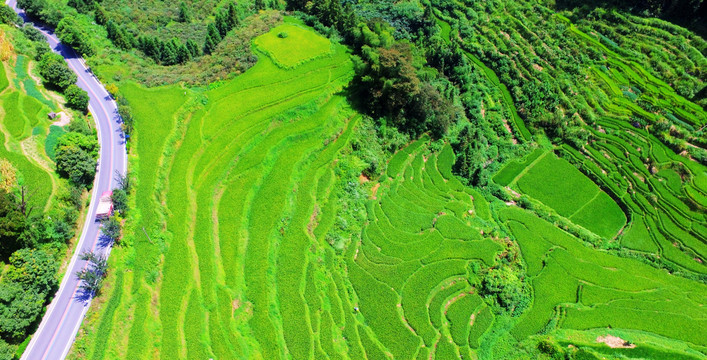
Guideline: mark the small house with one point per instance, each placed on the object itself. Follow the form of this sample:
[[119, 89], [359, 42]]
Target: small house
[[52, 115]]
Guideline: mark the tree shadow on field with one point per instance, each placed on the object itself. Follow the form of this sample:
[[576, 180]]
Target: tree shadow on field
[[83, 295], [104, 241]]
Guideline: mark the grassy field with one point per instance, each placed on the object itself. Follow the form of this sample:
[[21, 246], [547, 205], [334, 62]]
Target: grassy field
[[290, 45]]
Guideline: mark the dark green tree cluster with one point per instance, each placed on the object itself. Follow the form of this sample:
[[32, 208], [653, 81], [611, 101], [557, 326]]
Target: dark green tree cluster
[[167, 53], [226, 19], [76, 155], [55, 72], [24, 289], [185, 14], [119, 36], [82, 6], [8, 16], [12, 224], [506, 290], [126, 114], [120, 194], [48, 12], [76, 98]]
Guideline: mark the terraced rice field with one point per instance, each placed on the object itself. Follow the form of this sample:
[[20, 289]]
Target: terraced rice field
[[239, 192], [622, 97], [411, 269], [23, 131], [230, 255], [559, 185], [579, 288], [237, 187]]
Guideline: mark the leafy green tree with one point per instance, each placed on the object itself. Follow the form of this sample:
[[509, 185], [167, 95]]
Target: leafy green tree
[[33, 33], [24, 290], [100, 15], [76, 98], [19, 308], [118, 36], [7, 351], [388, 78], [120, 200], [54, 70], [8, 16], [33, 269], [43, 229], [506, 290], [87, 143], [75, 164], [111, 228], [82, 6], [92, 276], [73, 30]]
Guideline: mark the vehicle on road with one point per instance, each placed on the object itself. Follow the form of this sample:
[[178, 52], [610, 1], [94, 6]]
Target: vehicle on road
[[105, 206]]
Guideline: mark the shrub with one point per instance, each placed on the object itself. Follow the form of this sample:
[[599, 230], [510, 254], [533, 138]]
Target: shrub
[[55, 72], [76, 98]]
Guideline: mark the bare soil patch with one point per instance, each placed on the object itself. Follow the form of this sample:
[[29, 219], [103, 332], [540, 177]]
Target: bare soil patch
[[615, 342]]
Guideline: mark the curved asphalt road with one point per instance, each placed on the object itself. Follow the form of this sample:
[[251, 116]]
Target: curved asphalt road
[[58, 328]]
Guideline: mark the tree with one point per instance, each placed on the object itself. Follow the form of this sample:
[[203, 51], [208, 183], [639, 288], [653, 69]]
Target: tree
[[8, 16], [221, 23], [82, 6], [506, 289], [7, 351], [193, 48], [213, 37], [92, 275], [123, 181], [85, 142], [232, 15], [23, 291], [120, 200], [259, 5], [111, 228], [184, 13], [19, 308], [54, 70], [76, 98], [100, 15], [73, 30], [387, 77], [33, 269], [75, 164]]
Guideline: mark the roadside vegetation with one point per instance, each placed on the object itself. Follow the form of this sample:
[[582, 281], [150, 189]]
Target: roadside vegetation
[[42, 188]]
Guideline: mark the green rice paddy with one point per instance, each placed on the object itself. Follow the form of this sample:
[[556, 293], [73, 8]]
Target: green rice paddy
[[23, 131], [235, 247]]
